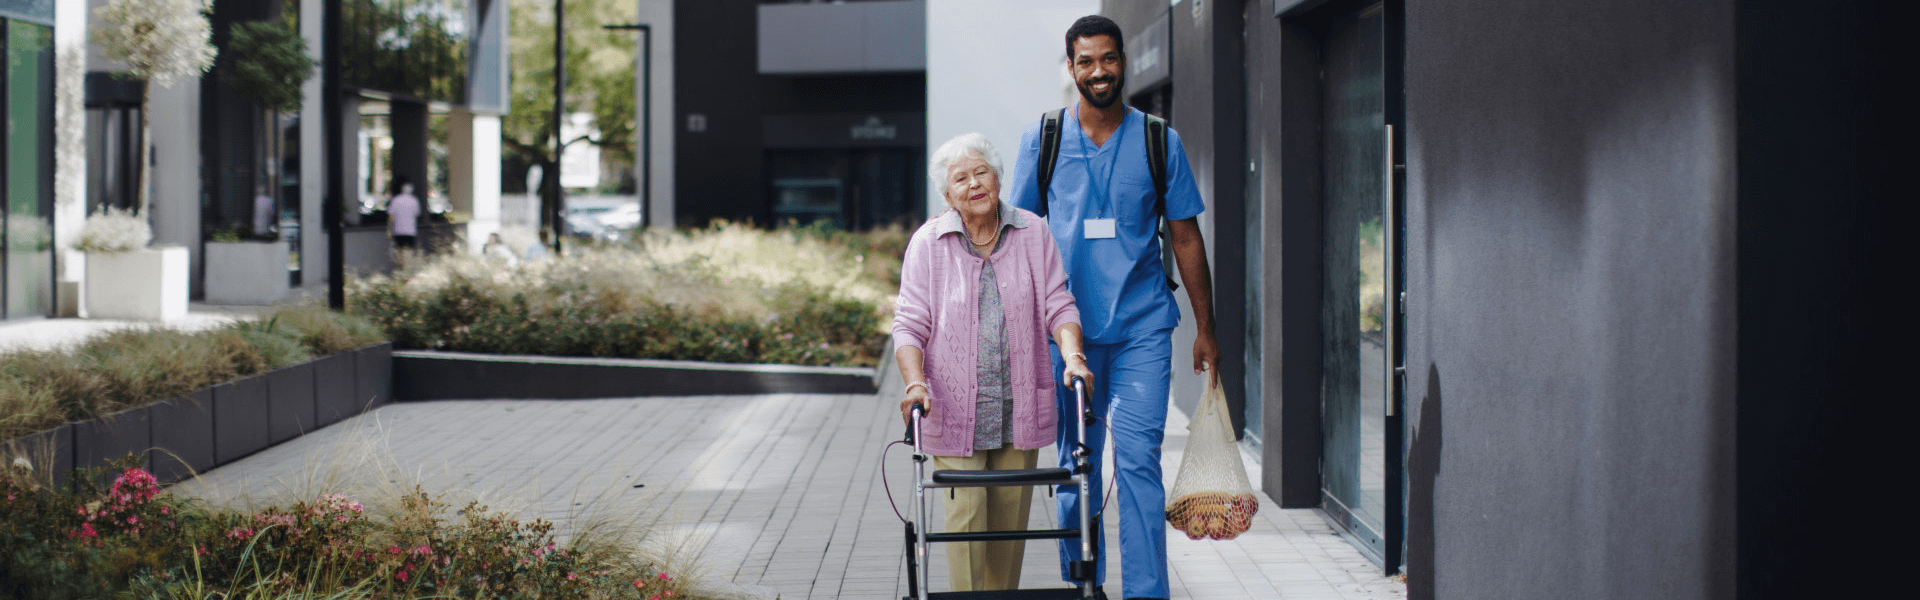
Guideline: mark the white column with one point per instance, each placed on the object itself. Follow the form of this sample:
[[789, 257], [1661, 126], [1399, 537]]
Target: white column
[[313, 156], [175, 171], [473, 172], [70, 153], [660, 16]]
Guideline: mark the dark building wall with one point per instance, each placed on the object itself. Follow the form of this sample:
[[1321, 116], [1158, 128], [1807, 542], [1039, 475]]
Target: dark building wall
[[1818, 345], [718, 171], [879, 92], [1571, 295], [722, 172]]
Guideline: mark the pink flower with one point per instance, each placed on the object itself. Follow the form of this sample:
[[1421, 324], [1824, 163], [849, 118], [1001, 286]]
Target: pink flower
[[639, 584], [423, 550], [402, 576], [164, 511], [665, 577], [573, 576], [133, 520]]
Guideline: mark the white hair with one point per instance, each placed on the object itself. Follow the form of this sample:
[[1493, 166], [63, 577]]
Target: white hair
[[959, 147]]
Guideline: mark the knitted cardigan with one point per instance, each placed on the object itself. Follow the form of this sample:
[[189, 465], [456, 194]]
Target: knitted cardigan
[[938, 311]]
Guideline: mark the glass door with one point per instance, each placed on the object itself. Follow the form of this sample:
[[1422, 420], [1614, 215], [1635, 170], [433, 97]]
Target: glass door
[[1361, 458]]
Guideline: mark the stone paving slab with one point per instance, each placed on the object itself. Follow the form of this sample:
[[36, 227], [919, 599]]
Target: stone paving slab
[[774, 495]]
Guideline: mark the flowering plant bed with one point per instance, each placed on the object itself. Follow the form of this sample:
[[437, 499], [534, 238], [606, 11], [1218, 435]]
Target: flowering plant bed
[[128, 539]]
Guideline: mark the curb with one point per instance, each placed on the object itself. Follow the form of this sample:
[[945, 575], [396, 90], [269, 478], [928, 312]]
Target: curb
[[431, 375]]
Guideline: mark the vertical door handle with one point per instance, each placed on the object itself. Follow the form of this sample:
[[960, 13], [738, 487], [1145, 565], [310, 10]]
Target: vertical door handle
[[1389, 231]]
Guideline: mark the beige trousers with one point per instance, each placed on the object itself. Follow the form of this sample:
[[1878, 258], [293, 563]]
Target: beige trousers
[[980, 566]]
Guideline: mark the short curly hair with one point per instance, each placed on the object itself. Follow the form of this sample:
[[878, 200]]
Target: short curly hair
[[959, 147], [1095, 25]]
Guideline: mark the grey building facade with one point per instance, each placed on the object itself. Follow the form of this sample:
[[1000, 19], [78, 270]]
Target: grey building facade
[[1549, 300], [800, 112]]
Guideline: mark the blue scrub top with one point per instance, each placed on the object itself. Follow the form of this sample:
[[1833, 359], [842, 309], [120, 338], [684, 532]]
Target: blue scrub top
[[1117, 283]]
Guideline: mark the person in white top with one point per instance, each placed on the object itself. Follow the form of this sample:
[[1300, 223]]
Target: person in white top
[[497, 249], [262, 211]]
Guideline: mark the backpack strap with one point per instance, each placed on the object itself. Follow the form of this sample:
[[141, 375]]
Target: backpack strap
[[1049, 152], [1157, 166]]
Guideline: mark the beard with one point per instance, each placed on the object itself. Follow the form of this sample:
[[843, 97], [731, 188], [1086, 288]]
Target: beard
[[1098, 101]]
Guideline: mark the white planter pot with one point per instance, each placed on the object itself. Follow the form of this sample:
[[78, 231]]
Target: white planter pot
[[246, 272], [149, 284]]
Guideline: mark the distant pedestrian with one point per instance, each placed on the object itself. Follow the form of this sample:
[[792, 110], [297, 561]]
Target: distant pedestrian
[[403, 219], [540, 252], [262, 211], [981, 289], [497, 249]]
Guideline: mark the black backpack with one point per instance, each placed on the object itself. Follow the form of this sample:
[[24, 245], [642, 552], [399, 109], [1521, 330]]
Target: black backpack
[[1156, 165]]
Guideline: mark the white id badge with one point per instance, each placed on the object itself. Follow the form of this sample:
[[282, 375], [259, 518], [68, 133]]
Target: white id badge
[[1097, 229]]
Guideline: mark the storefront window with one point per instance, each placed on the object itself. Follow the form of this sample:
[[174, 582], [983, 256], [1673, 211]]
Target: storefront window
[[29, 169]]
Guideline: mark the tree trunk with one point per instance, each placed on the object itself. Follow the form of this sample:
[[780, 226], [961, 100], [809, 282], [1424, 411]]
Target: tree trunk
[[549, 209], [146, 150]]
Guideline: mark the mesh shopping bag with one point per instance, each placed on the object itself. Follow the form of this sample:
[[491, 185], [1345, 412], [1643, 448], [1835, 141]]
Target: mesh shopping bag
[[1211, 497]]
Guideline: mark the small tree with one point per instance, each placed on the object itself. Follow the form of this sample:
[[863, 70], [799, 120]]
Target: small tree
[[269, 63], [160, 41]]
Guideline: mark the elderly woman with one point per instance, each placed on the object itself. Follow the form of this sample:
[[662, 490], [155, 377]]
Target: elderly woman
[[981, 288]]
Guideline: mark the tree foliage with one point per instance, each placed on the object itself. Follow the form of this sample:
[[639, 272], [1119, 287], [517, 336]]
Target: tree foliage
[[267, 62], [599, 72], [160, 40]]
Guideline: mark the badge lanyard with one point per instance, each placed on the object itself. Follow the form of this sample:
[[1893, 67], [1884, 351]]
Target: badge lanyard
[[1100, 186]]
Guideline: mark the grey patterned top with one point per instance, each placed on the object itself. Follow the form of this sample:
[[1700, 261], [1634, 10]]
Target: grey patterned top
[[993, 406]]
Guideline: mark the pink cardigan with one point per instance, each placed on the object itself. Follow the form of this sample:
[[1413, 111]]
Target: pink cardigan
[[938, 312]]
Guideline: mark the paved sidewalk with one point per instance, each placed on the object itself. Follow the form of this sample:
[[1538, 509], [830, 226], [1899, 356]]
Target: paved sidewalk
[[772, 496], [52, 334]]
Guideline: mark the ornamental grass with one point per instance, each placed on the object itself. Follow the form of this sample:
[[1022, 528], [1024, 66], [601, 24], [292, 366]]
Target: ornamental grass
[[728, 293], [40, 389]]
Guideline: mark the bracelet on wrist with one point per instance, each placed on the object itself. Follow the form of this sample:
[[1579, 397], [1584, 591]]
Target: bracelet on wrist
[[1082, 357], [920, 384]]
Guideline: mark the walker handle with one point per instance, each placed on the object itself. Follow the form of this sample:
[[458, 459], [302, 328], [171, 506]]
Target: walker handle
[[917, 411]]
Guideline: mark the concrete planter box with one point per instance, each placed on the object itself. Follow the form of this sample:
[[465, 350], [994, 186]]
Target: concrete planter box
[[240, 419], [149, 284], [373, 376], [335, 388], [290, 405], [182, 436], [50, 449], [247, 272], [99, 442]]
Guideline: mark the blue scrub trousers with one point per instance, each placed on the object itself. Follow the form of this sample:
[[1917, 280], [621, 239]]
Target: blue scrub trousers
[[1131, 380]]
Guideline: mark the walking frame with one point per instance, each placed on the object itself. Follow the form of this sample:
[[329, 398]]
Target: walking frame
[[1082, 571]]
